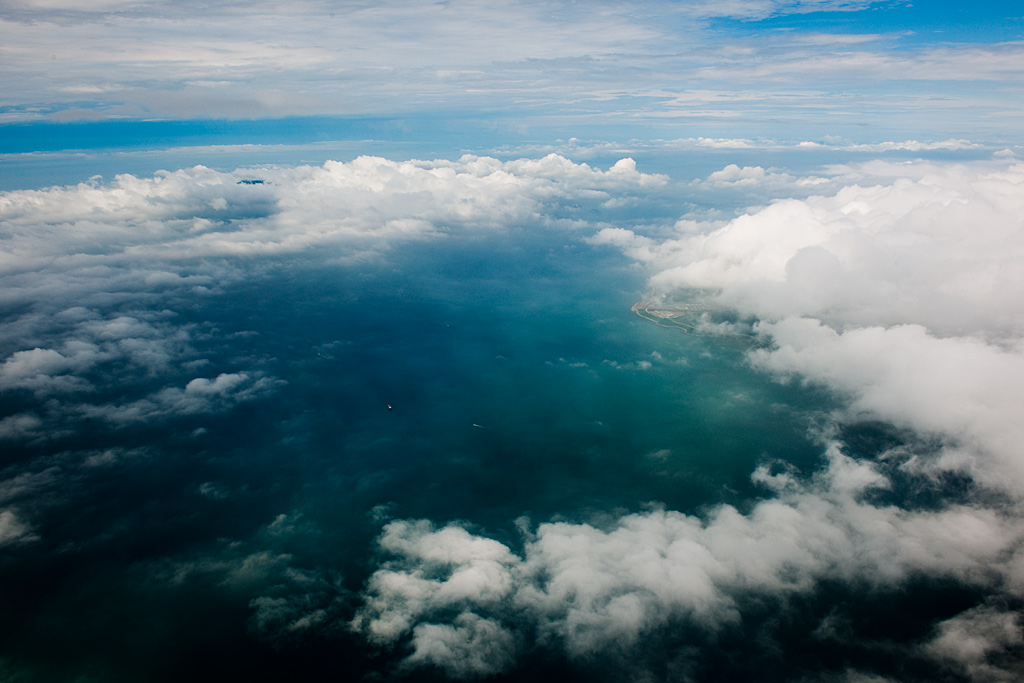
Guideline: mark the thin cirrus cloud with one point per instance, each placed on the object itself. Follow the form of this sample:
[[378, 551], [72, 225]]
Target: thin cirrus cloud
[[606, 63], [163, 47]]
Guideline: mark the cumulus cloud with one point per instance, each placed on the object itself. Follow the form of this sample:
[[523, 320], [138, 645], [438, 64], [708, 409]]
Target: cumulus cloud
[[593, 590], [895, 244], [899, 290], [20, 426], [140, 229], [97, 270], [896, 286], [734, 174], [977, 641], [46, 371], [100, 268], [436, 571], [470, 647], [234, 569], [86, 250], [83, 344], [962, 389], [469, 569]]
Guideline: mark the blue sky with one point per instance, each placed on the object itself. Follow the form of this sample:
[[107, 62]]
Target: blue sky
[[500, 72]]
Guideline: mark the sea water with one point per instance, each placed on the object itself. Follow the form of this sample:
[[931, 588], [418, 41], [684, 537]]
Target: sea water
[[494, 380]]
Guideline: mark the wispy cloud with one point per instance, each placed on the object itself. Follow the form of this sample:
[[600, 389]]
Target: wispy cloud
[[162, 61]]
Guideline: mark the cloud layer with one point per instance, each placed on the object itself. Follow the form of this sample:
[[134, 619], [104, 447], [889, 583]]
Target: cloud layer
[[653, 63]]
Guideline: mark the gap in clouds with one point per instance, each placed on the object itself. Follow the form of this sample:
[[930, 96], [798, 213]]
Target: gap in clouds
[[201, 442], [199, 425]]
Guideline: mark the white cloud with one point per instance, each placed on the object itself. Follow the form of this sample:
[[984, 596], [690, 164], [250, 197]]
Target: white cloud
[[900, 290], [596, 590], [913, 146], [975, 639], [12, 530], [304, 600], [896, 243], [841, 38], [470, 647], [473, 570], [200, 395], [734, 174], [232, 60], [896, 285], [759, 9], [365, 203], [46, 371], [98, 265], [583, 149], [28, 484], [961, 389], [94, 275], [234, 569], [20, 426]]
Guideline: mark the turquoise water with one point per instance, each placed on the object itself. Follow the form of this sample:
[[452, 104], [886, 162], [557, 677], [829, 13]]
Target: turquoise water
[[520, 384]]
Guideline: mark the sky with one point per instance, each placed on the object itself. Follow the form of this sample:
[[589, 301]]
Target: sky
[[318, 356], [792, 71]]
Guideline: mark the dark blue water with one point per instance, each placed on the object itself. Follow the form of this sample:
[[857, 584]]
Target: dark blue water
[[520, 384]]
